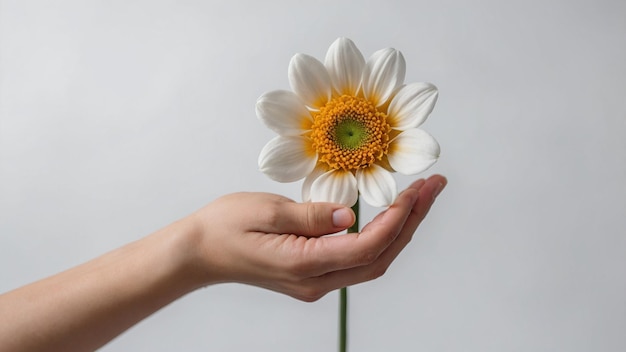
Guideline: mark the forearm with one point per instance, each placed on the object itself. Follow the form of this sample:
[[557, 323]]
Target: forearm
[[87, 306]]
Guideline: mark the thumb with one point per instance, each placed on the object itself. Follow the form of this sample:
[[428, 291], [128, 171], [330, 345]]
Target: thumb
[[313, 219]]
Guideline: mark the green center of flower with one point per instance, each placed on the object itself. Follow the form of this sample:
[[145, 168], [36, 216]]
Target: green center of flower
[[350, 133]]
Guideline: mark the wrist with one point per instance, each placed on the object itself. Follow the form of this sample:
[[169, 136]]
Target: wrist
[[177, 243], [189, 253]]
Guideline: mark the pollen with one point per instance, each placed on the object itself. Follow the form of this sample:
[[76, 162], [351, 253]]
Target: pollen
[[349, 133]]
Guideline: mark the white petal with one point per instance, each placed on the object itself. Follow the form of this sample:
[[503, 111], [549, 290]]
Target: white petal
[[335, 186], [283, 112], [344, 63], [413, 151], [310, 80], [377, 186], [383, 74], [308, 182], [411, 105], [287, 159]]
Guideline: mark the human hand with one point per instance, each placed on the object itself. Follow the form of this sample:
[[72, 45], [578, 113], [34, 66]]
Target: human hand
[[255, 238], [270, 241]]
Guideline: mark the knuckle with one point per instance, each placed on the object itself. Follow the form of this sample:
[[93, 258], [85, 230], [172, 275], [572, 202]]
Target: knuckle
[[366, 258], [376, 272], [311, 217], [314, 217], [271, 214], [310, 294]]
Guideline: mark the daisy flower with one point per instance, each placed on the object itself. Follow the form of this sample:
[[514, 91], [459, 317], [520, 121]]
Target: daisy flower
[[347, 125]]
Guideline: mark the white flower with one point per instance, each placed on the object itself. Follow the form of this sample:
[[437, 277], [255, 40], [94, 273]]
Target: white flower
[[347, 124]]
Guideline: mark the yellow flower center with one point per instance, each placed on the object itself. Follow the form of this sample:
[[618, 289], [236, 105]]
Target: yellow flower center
[[350, 133]]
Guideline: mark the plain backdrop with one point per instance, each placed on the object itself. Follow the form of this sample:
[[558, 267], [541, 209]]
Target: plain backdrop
[[119, 117]]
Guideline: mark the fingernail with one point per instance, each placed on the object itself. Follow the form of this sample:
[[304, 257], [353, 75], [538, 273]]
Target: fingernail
[[342, 217], [437, 190]]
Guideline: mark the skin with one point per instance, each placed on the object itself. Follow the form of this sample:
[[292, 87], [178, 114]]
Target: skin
[[259, 239]]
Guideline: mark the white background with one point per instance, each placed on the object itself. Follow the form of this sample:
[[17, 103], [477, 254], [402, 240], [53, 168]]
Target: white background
[[118, 117]]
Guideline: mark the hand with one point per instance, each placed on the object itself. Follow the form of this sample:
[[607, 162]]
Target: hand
[[270, 241], [255, 238]]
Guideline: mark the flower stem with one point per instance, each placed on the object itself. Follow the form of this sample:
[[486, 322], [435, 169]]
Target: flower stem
[[343, 324], [343, 293], [355, 227]]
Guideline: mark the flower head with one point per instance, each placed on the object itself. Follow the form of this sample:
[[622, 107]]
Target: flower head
[[346, 125]]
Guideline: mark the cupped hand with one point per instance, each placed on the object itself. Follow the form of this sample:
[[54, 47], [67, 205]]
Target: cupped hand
[[270, 241]]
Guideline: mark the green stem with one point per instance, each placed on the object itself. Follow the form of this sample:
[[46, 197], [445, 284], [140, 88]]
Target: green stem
[[343, 323], [343, 293], [355, 227]]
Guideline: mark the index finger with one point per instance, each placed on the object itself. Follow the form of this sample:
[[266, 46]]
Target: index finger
[[357, 249], [348, 277]]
